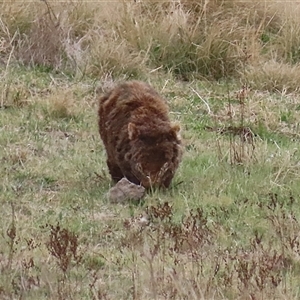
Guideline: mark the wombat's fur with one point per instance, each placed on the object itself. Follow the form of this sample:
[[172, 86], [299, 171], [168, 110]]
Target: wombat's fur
[[141, 143]]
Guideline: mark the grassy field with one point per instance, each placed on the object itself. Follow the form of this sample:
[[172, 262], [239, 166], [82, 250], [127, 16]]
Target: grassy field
[[228, 228]]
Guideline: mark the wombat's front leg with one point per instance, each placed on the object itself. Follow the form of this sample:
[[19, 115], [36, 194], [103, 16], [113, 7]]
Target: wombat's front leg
[[114, 170]]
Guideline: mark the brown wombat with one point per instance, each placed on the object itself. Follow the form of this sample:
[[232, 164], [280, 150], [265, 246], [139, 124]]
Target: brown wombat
[[141, 143]]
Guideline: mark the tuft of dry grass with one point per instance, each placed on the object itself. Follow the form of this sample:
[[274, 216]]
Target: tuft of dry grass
[[211, 39], [61, 104], [274, 76]]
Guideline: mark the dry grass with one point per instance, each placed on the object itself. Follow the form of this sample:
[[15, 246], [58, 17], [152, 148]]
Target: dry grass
[[274, 76], [227, 228], [211, 39]]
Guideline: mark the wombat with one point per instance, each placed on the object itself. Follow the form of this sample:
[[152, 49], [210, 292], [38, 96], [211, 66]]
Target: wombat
[[140, 141]]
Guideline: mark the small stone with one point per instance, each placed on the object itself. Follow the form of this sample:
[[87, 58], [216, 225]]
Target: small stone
[[125, 190]]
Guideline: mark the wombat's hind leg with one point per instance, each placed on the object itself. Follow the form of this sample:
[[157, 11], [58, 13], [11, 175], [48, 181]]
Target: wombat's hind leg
[[115, 172]]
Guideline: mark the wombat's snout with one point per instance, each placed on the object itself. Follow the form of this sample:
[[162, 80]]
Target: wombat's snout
[[158, 178]]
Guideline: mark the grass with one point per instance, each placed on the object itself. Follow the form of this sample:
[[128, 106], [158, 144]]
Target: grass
[[228, 226], [217, 39]]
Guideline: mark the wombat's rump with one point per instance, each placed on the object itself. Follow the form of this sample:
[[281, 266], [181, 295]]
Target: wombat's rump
[[141, 143]]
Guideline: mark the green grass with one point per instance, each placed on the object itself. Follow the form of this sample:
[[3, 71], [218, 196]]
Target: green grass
[[227, 228]]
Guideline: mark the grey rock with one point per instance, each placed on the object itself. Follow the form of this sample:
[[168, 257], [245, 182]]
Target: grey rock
[[125, 190]]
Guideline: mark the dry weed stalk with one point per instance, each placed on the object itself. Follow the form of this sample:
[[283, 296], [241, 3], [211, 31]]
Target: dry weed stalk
[[186, 254], [241, 137], [63, 245], [5, 91], [12, 234], [242, 150]]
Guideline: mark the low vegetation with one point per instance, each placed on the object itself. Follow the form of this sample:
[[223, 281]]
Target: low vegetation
[[228, 228]]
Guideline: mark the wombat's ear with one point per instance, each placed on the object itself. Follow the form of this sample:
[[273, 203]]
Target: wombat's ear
[[133, 132], [176, 129]]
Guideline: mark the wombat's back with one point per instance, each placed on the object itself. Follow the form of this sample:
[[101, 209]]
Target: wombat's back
[[130, 95], [117, 107]]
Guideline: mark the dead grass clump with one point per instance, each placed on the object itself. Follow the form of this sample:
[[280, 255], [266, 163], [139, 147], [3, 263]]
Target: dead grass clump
[[16, 18], [119, 60], [187, 46], [81, 19], [274, 76], [286, 43], [32, 33], [14, 93], [42, 45], [189, 41], [60, 105], [211, 39]]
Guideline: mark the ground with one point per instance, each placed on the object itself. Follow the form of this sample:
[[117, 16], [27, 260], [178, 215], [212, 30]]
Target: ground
[[227, 226]]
